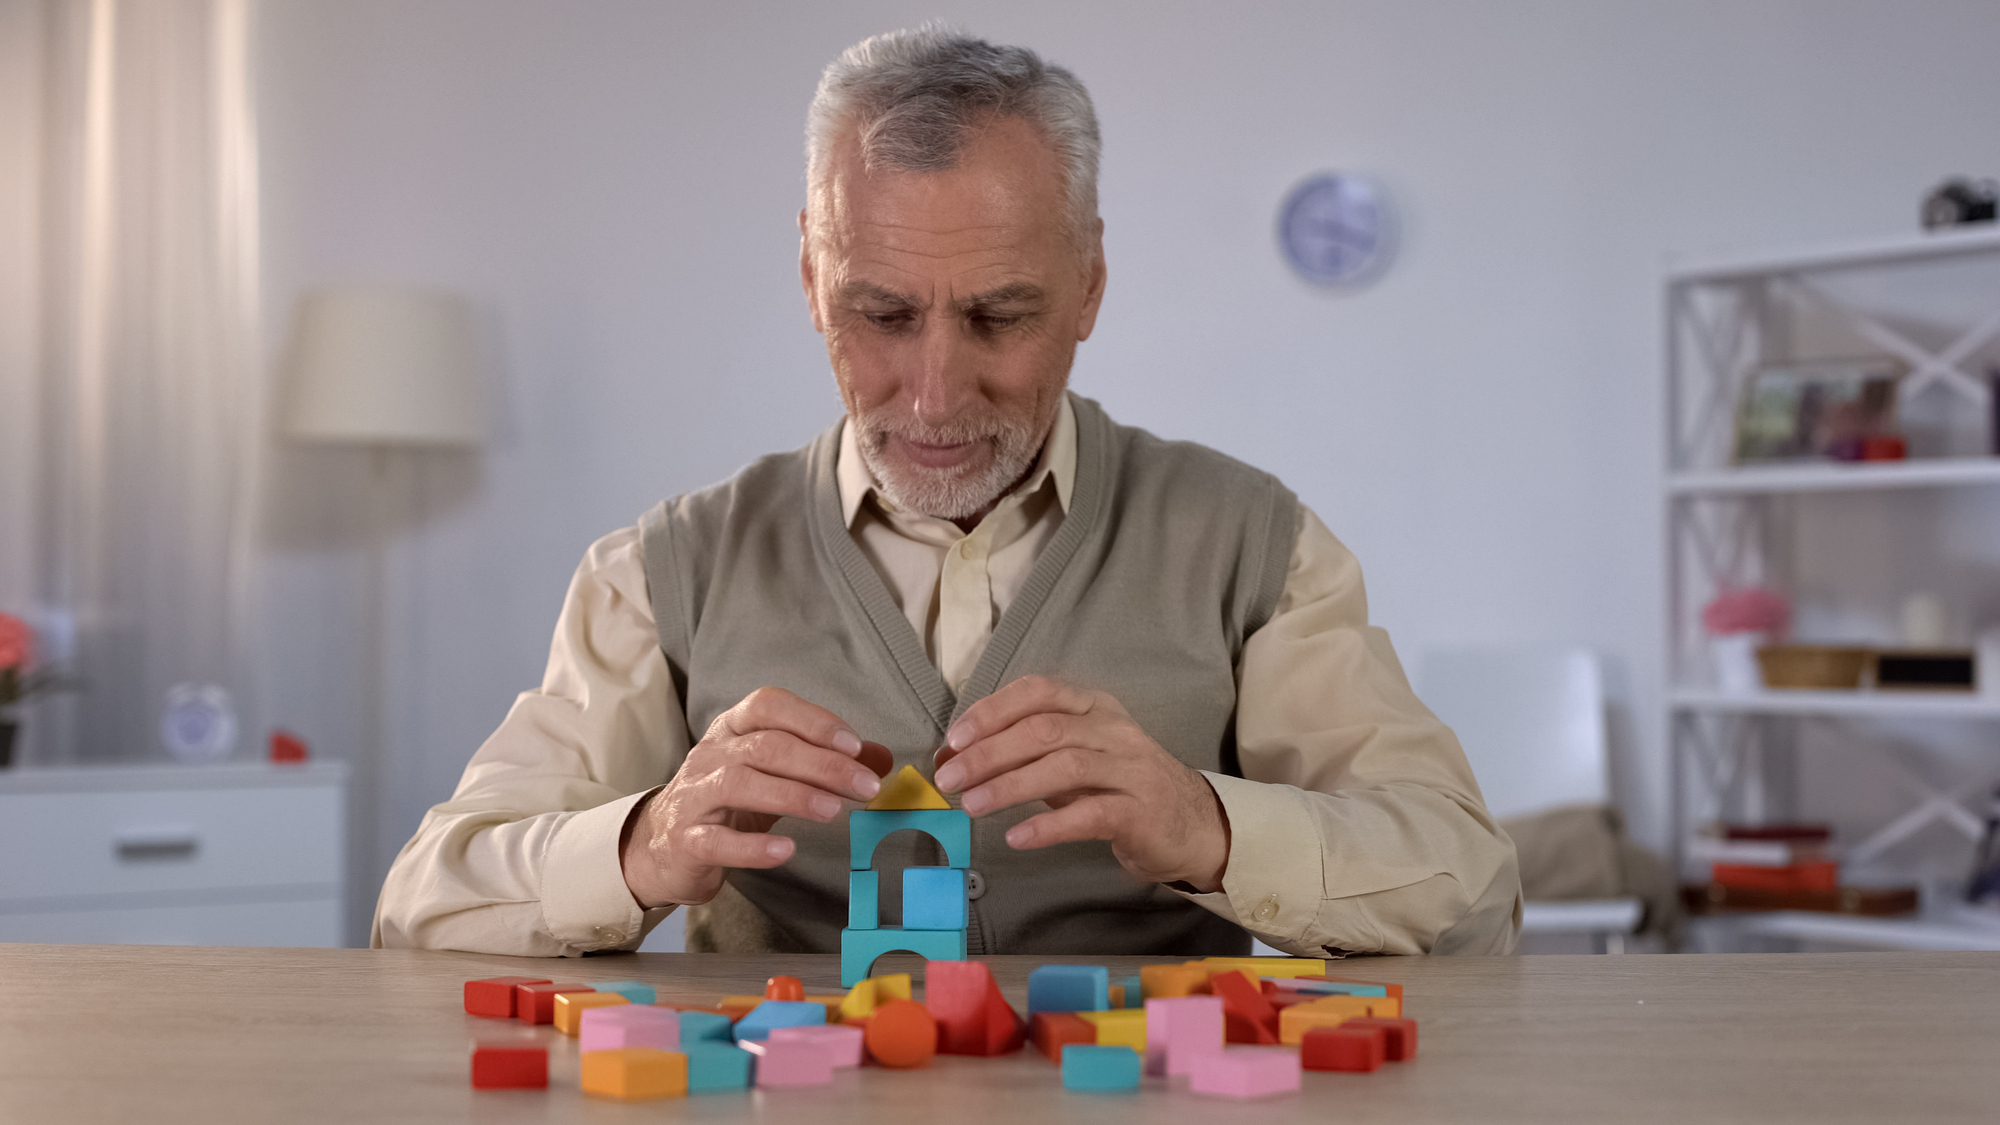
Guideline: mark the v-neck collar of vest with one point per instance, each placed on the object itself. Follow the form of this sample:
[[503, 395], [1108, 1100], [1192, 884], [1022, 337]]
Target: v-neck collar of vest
[[862, 583]]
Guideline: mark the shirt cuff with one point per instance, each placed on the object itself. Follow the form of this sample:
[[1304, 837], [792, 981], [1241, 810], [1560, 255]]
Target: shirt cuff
[[585, 902], [1272, 885]]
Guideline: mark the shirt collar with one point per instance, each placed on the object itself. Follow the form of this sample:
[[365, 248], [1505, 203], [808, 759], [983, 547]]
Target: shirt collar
[[1057, 463]]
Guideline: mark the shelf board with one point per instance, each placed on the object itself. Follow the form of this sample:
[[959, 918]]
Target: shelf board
[[1884, 704], [1984, 238], [1836, 476], [1890, 933]]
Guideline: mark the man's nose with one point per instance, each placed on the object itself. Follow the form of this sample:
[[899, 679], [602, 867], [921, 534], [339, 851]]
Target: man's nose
[[946, 377]]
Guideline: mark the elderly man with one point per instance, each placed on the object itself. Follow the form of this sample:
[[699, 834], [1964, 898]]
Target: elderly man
[[1145, 668]]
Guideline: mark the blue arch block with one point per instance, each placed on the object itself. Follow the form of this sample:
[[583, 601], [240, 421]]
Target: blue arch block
[[951, 828], [860, 948]]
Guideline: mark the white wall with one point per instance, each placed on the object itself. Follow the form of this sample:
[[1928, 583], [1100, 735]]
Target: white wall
[[615, 182]]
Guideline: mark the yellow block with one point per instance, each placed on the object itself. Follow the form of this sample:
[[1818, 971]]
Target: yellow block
[[1332, 1011], [894, 986], [570, 1007], [1165, 982], [859, 1003], [1125, 1027], [635, 1072], [908, 790], [1266, 966]]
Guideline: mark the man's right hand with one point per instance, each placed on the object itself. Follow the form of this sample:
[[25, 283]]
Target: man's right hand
[[771, 755]]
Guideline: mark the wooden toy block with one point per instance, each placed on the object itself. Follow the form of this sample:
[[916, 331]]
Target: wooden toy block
[[776, 1013], [1181, 1031], [933, 898], [1135, 992], [1311, 987], [793, 1062], [894, 986], [629, 1025], [1356, 1050], [830, 1002], [1247, 1016], [1117, 996], [697, 1026], [1399, 1036], [951, 828], [1265, 966], [1164, 982], [843, 1044], [1069, 988], [784, 988], [973, 1018], [859, 1003], [1125, 1028], [736, 1007], [908, 790], [536, 1003], [864, 900], [494, 996], [632, 990], [567, 1014], [860, 948], [1247, 1072], [1050, 1031], [1332, 1011], [497, 1066], [713, 1065], [632, 1073], [1089, 1066], [901, 1034]]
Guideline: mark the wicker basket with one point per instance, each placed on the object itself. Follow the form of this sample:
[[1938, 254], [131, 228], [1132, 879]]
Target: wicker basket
[[1813, 666]]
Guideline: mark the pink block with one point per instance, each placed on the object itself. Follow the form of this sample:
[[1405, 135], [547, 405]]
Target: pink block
[[841, 1042], [791, 1062], [1247, 1072], [629, 1025], [1182, 1031]]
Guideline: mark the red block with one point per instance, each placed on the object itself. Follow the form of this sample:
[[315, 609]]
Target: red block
[[1346, 1047], [972, 1017], [510, 1068], [536, 1003], [1050, 1030], [1401, 1041], [494, 996], [784, 988], [1247, 1017]]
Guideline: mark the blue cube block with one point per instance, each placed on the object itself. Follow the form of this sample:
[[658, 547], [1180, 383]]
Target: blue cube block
[[1135, 991], [704, 1025], [630, 989], [777, 1013], [1088, 1066], [933, 898], [717, 1066], [864, 900], [1069, 988]]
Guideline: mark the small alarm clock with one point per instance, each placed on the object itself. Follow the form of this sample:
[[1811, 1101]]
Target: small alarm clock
[[199, 724], [1334, 230]]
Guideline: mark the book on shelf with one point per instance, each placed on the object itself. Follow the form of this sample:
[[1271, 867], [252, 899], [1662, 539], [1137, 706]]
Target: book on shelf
[[1874, 902]]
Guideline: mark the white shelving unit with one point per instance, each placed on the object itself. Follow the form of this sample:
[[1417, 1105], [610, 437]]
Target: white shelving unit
[[1931, 302]]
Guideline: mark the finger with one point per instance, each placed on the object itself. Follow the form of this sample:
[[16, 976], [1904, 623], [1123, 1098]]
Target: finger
[[782, 755], [739, 788], [1011, 704], [1033, 737], [1068, 772], [774, 708], [716, 845], [1092, 818]]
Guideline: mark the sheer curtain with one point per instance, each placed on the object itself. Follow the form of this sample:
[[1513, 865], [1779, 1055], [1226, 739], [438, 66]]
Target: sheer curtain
[[129, 351]]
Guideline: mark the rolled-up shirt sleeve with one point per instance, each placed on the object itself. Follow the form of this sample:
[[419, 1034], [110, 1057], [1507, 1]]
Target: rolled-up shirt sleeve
[[1357, 826], [524, 858]]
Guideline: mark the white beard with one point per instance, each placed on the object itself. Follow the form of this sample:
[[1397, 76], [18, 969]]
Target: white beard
[[947, 494]]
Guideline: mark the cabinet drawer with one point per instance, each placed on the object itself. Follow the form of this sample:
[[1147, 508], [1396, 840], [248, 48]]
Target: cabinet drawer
[[312, 922], [63, 845]]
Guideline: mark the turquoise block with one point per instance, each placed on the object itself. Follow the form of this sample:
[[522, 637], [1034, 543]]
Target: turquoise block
[[951, 828], [704, 1025], [1088, 1066], [777, 1013], [1334, 987], [860, 948], [630, 989], [1135, 992], [717, 1066], [1069, 988], [933, 898], [864, 900]]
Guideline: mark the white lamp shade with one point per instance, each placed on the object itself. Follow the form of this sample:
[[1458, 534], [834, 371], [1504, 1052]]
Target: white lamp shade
[[383, 366]]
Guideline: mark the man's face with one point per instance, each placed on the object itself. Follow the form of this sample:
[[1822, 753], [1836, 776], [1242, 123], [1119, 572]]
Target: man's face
[[952, 303]]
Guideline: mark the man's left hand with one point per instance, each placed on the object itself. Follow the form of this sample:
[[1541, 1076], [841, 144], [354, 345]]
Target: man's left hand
[[1039, 739]]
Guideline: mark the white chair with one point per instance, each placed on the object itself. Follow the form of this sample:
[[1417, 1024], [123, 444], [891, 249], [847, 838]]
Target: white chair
[[1532, 724]]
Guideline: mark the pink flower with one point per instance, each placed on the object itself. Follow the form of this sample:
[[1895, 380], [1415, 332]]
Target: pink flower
[[17, 642], [1750, 610]]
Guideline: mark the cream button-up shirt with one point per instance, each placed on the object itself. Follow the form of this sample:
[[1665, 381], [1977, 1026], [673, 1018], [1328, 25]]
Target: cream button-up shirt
[[1356, 826]]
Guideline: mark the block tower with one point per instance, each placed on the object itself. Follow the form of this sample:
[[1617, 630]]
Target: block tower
[[933, 897]]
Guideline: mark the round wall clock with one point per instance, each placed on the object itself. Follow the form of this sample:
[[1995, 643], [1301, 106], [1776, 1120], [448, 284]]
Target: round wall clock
[[1334, 230]]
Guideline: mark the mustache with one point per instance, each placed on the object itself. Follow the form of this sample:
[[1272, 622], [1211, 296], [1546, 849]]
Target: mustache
[[876, 431]]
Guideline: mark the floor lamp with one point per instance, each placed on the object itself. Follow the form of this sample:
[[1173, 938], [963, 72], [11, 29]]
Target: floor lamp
[[389, 371]]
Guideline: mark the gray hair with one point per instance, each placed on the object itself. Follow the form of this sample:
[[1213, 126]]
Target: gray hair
[[914, 96]]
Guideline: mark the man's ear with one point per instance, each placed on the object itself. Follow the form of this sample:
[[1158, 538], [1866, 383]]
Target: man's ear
[[1093, 286], [806, 272]]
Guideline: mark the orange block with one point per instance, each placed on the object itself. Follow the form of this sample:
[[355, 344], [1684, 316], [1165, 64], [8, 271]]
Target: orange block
[[901, 1034], [634, 1072], [1332, 1011], [569, 1008], [1247, 1016], [784, 988], [736, 1007], [1165, 982], [832, 1004], [1051, 1030]]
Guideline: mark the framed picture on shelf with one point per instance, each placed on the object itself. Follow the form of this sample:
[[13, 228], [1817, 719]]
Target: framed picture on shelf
[[1821, 410]]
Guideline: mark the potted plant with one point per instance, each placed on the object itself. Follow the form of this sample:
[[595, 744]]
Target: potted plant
[[19, 679]]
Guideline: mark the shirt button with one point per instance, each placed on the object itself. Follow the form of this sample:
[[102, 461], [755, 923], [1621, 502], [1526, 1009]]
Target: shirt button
[[609, 936], [974, 885], [1267, 910]]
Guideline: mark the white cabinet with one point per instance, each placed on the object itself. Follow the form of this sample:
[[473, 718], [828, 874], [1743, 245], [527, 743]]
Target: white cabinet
[[221, 855]]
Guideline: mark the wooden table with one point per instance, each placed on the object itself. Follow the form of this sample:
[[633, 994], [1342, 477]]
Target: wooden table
[[216, 1036]]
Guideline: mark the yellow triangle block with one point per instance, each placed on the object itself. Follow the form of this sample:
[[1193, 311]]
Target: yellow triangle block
[[908, 790]]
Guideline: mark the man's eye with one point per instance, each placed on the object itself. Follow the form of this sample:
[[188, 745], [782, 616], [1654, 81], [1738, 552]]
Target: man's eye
[[987, 322], [888, 320]]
